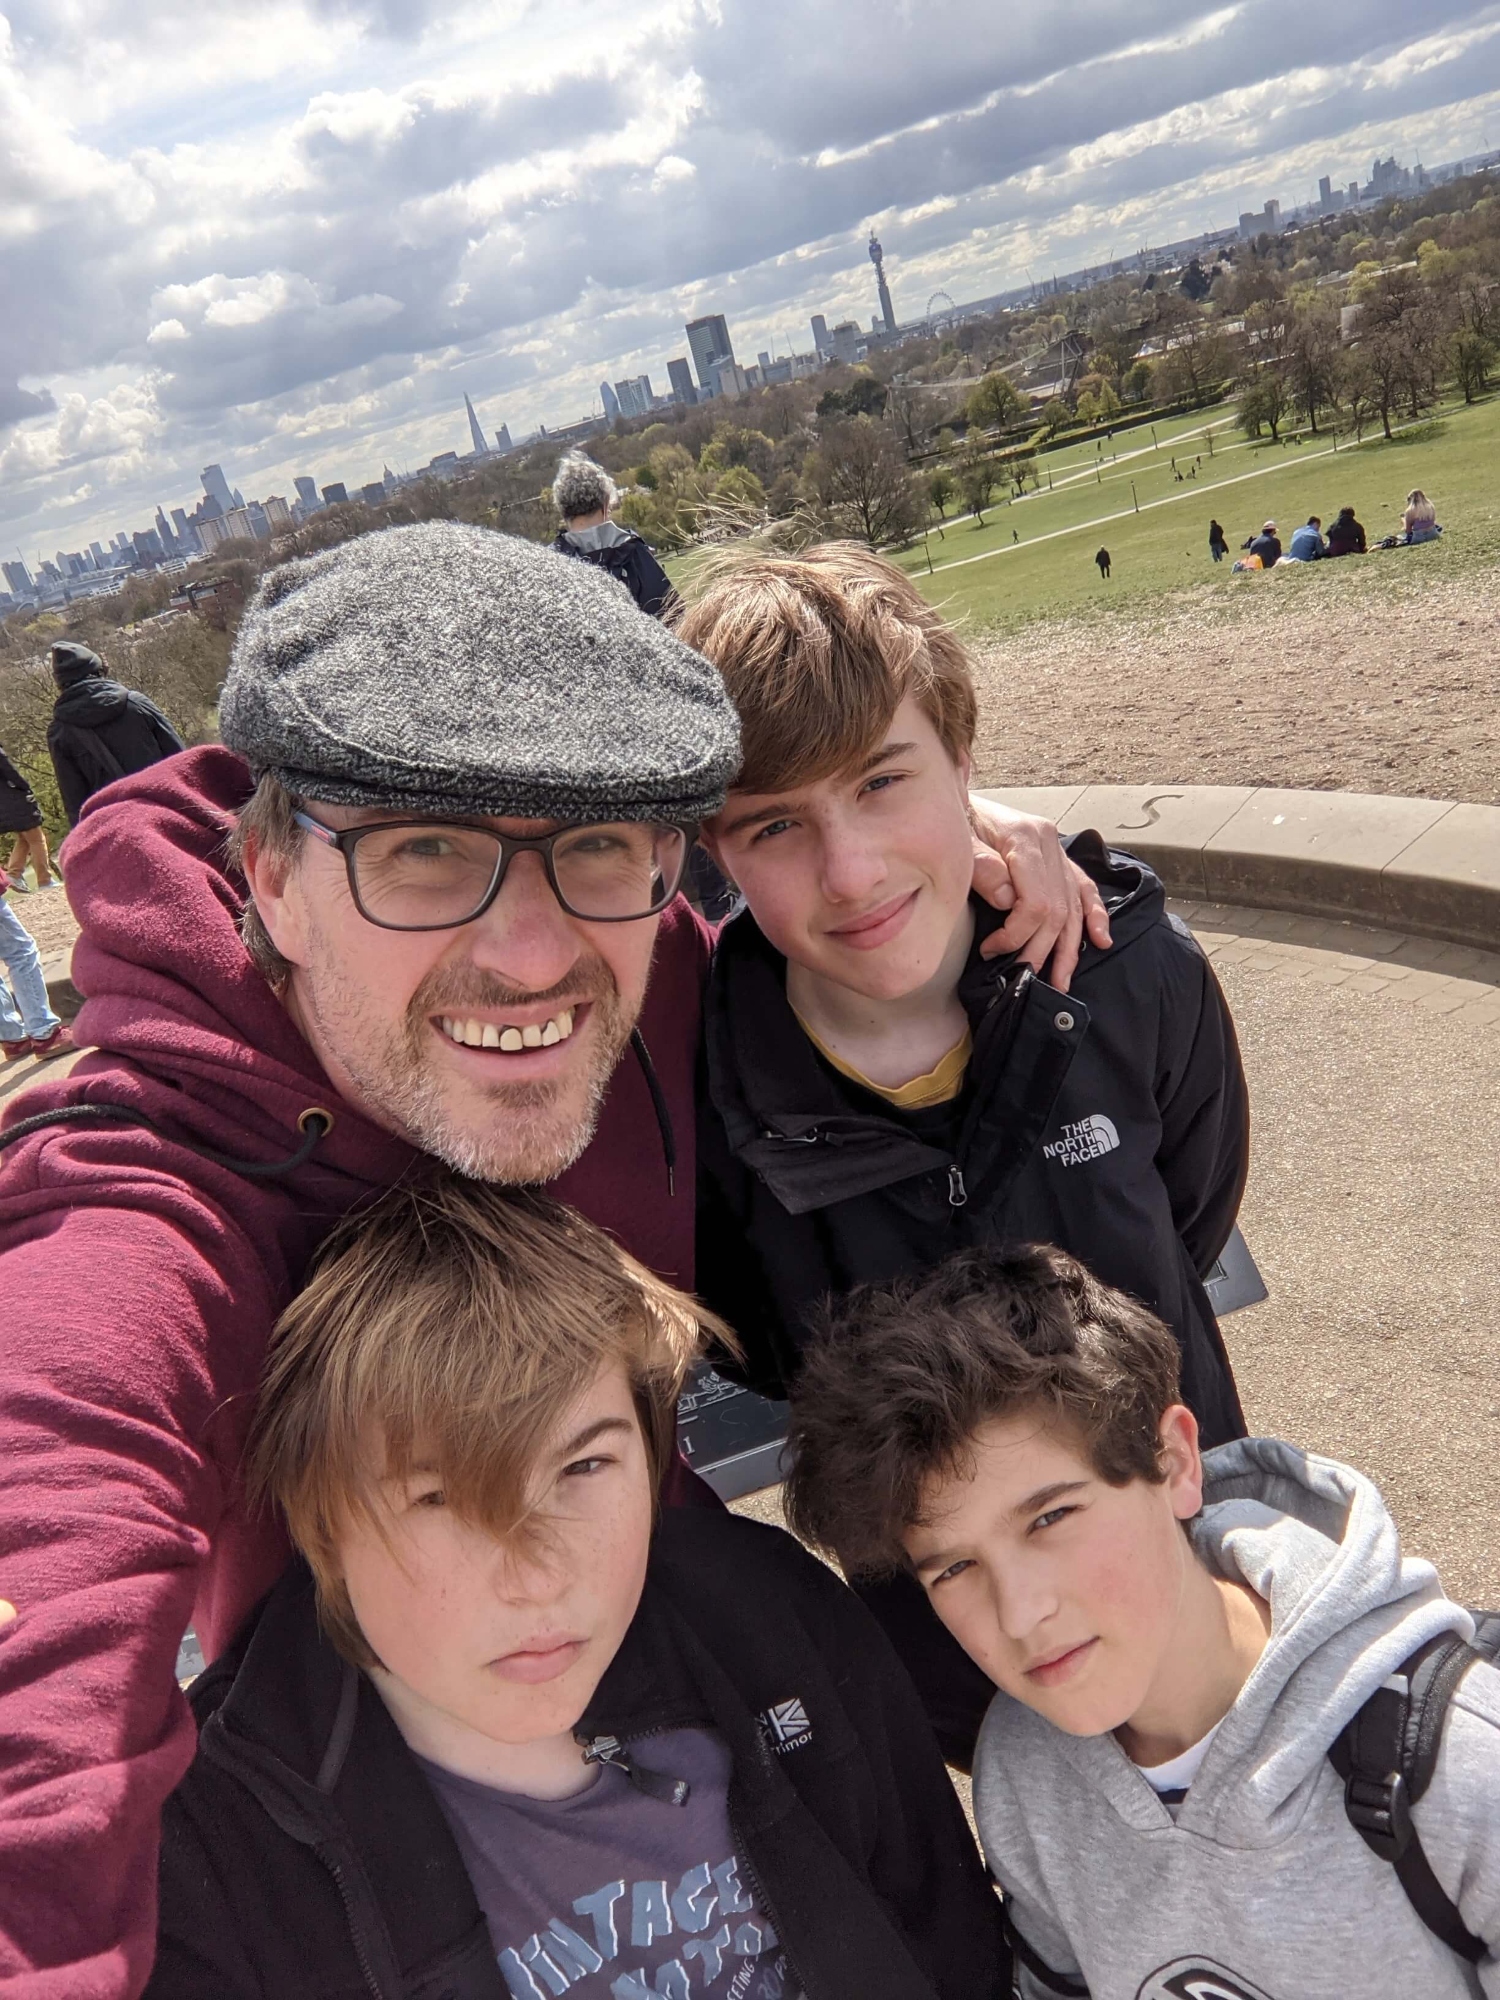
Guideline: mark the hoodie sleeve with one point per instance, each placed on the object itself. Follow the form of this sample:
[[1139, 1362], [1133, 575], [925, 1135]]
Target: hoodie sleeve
[[72, 785], [650, 585], [1204, 1155], [135, 1318], [1045, 1965], [1456, 1820]]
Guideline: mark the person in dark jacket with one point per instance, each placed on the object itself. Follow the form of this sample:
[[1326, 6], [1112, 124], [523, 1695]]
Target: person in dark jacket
[[1266, 545], [21, 815], [1218, 546], [880, 1092], [100, 730], [1346, 537], [498, 1736], [585, 496]]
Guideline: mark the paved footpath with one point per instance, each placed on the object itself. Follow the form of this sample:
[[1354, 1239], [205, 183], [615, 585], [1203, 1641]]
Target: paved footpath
[[1373, 1211]]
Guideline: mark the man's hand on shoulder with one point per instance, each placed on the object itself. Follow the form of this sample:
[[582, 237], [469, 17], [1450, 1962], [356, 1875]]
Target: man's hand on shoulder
[[1020, 866]]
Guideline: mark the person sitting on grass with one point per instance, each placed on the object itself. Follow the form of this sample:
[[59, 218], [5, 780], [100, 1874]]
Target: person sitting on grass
[[879, 1088], [1266, 545], [1179, 1642], [507, 1727], [1306, 544], [1346, 537], [1419, 523]]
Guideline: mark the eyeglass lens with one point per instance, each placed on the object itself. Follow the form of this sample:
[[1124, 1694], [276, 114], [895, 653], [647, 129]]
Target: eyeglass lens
[[420, 877]]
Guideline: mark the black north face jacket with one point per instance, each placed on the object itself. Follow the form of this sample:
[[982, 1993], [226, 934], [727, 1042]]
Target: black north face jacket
[[1111, 1121], [304, 1853]]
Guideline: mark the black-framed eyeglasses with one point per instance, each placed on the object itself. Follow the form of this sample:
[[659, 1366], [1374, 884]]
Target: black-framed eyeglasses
[[430, 875]]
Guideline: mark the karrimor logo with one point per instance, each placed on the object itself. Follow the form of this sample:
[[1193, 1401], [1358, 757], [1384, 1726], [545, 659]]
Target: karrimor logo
[[786, 1725], [1197, 1979], [1086, 1140]]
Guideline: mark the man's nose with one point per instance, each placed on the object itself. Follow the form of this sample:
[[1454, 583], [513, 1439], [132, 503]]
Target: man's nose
[[852, 866], [1023, 1600], [526, 936]]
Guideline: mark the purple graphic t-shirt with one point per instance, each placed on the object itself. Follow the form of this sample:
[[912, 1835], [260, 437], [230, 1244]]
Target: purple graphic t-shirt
[[613, 1895]]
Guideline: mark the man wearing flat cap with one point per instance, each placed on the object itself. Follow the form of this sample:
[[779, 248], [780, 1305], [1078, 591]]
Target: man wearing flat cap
[[423, 905]]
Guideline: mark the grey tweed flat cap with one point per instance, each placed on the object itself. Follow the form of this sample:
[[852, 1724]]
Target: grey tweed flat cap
[[454, 670]]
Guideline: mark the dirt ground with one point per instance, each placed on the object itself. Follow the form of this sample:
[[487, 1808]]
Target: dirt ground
[[1348, 692]]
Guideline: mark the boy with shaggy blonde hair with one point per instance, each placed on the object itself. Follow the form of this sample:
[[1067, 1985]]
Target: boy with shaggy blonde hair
[[508, 1730]]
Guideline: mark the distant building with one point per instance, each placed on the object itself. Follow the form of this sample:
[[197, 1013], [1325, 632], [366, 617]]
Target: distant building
[[821, 344], [610, 401], [887, 321], [708, 342], [727, 378], [1261, 222], [476, 435], [633, 396], [216, 486], [101, 561], [373, 493], [335, 493], [278, 515], [680, 375], [1386, 179], [18, 578], [846, 342], [307, 492], [502, 439]]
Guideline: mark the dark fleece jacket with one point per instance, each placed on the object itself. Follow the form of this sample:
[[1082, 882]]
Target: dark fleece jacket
[[305, 1855], [101, 731], [140, 1283]]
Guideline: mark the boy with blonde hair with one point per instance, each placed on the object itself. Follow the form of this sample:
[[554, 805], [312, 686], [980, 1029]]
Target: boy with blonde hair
[[505, 1730], [881, 1089]]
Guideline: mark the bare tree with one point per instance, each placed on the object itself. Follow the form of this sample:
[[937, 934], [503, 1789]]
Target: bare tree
[[862, 482], [1312, 353]]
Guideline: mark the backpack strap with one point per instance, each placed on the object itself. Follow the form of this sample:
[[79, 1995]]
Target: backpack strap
[[1386, 1755]]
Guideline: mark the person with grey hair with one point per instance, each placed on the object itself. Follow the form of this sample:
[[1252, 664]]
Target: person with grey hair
[[585, 495]]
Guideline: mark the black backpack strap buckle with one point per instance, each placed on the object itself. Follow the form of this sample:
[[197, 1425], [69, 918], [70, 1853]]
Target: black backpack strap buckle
[[1380, 1813]]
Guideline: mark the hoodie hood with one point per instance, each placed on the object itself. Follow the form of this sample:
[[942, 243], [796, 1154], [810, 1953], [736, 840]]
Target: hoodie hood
[[72, 662], [1317, 1542], [90, 703], [604, 535]]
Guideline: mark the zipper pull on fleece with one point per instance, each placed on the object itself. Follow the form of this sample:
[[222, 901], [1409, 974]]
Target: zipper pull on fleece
[[958, 1194], [653, 1784]]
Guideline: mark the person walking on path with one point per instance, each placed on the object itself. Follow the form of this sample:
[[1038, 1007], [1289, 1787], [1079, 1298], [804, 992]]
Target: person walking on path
[[1103, 561], [21, 815], [585, 495], [1218, 546], [100, 730], [316, 960], [28, 1026]]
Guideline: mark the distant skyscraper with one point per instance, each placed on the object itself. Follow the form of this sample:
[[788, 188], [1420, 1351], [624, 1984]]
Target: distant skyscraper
[[168, 539], [101, 561], [336, 492], [680, 375], [820, 333], [216, 486], [610, 401], [476, 435], [708, 341], [502, 439], [877, 258], [18, 578], [307, 492]]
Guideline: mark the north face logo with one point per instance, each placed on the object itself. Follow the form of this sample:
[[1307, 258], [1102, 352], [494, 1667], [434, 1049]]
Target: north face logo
[[1085, 1140], [786, 1725]]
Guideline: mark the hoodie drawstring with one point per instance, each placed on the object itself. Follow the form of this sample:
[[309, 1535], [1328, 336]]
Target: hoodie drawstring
[[314, 1124], [659, 1105]]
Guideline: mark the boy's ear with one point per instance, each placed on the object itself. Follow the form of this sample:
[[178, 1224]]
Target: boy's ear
[[1181, 1460]]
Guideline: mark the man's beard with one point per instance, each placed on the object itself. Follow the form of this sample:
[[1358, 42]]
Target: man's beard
[[537, 1129]]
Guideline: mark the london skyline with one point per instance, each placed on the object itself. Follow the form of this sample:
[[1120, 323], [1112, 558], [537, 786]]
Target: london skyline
[[304, 240]]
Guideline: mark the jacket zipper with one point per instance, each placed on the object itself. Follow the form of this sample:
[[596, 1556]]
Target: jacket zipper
[[762, 1901], [958, 1194], [651, 1784], [367, 1971]]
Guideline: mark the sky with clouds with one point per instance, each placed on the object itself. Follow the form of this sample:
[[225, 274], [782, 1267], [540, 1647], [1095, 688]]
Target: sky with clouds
[[288, 235]]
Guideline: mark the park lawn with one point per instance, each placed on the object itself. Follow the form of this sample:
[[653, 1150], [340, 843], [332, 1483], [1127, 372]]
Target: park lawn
[[1453, 454]]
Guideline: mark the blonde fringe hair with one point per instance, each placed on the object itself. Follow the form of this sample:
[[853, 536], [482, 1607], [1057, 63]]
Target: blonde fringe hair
[[818, 651], [452, 1324]]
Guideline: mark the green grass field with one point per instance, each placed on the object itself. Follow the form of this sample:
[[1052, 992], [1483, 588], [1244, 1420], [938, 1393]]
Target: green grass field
[[992, 580]]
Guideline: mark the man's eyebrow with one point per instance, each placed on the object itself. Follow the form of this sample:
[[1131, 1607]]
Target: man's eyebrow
[[1036, 1503], [601, 1427], [780, 810]]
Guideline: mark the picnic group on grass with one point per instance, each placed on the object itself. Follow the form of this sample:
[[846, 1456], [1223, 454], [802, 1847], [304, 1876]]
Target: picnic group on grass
[[1346, 537], [429, 1136]]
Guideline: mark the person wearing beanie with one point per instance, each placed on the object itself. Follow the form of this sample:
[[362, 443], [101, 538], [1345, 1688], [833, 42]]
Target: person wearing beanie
[[585, 496], [418, 907], [99, 730]]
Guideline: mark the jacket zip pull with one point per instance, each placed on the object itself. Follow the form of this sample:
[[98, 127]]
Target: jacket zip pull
[[653, 1784], [958, 1194]]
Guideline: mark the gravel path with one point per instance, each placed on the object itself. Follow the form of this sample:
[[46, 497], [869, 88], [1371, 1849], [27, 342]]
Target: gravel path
[[1315, 681]]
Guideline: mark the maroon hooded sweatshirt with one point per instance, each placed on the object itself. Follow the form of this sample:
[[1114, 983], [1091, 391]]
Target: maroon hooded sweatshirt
[[140, 1283]]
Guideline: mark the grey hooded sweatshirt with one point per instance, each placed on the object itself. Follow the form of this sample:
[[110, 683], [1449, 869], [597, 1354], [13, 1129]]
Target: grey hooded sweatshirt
[[1259, 1889]]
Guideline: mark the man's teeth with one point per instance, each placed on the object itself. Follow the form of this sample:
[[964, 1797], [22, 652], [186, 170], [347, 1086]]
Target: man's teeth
[[485, 1035]]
